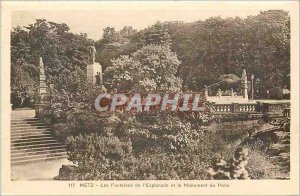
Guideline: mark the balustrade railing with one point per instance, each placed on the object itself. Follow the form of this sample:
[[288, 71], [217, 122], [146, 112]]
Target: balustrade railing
[[224, 108], [247, 108], [235, 107], [281, 107]]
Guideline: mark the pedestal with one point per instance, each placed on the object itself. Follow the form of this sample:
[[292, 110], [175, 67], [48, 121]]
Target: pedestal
[[94, 70]]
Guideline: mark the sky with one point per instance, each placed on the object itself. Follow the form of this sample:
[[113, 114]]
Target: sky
[[93, 21]]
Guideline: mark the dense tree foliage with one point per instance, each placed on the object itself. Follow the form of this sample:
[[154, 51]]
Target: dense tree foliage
[[207, 49], [145, 146], [260, 44], [113, 44], [214, 47], [64, 55], [149, 69]]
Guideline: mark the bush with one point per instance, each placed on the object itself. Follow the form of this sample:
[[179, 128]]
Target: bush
[[260, 167], [23, 84], [85, 122], [103, 158], [108, 158], [61, 131], [77, 96], [131, 147], [232, 169], [164, 166]]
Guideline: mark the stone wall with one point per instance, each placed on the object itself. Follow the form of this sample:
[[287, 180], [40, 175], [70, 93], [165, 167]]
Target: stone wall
[[69, 172], [238, 128]]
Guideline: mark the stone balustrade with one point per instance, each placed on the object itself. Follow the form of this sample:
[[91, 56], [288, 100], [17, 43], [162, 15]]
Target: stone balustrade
[[247, 108], [281, 107], [223, 108], [235, 107]]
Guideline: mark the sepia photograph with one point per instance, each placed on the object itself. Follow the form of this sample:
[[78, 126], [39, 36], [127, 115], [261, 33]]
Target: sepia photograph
[[151, 94]]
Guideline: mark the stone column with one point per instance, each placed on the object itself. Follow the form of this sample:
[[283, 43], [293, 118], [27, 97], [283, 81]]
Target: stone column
[[219, 93], [244, 85], [94, 70], [42, 98], [231, 92], [206, 93]]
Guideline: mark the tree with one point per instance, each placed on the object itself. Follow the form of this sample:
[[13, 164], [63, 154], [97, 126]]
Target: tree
[[113, 44], [24, 85], [268, 48], [151, 68], [216, 46], [157, 35], [62, 52]]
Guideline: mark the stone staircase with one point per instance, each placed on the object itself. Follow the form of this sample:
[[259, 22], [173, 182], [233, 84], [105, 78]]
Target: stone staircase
[[31, 141]]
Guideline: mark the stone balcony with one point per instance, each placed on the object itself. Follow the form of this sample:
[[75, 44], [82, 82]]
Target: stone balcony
[[266, 107], [235, 107]]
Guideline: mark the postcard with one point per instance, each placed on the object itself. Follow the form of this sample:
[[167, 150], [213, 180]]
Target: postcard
[[149, 98]]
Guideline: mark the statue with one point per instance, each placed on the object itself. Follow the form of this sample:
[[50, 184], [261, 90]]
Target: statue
[[98, 79], [92, 53], [244, 84]]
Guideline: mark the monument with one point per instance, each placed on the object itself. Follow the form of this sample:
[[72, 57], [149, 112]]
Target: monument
[[41, 101], [231, 96], [94, 69], [244, 85]]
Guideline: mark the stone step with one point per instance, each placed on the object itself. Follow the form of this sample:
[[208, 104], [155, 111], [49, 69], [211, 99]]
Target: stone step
[[16, 126], [22, 109], [20, 162], [31, 141], [45, 155], [26, 124], [42, 138], [29, 129], [31, 133], [40, 151], [39, 148], [29, 146], [24, 143], [34, 133], [25, 114], [23, 120]]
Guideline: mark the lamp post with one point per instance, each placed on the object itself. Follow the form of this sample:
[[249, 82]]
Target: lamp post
[[252, 91], [257, 87]]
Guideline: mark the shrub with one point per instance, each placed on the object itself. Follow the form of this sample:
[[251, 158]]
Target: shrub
[[232, 169], [108, 158], [85, 122], [76, 96], [133, 146], [103, 158], [164, 166], [165, 147], [61, 131], [260, 167]]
